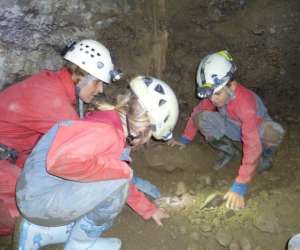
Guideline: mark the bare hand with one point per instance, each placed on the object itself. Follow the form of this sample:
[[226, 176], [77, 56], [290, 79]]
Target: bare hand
[[159, 215], [234, 200], [175, 143]]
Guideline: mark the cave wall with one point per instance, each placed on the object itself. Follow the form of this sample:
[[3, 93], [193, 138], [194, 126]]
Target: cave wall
[[33, 32], [166, 39]]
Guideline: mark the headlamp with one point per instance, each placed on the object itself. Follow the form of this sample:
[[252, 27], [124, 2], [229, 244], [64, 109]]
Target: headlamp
[[116, 75], [168, 136], [69, 47], [205, 92]]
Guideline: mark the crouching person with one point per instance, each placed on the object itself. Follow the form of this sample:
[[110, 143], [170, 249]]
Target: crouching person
[[230, 112], [74, 184]]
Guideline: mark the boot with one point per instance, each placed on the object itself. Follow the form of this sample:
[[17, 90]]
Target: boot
[[228, 150], [85, 236], [265, 163], [33, 237]]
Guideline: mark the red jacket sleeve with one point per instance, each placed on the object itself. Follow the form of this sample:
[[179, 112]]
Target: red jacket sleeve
[[252, 148], [190, 130], [87, 151], [139, 203]]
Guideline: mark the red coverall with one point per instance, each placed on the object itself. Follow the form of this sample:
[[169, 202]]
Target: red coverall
[[136, 199], [28, 110], [242, 109]]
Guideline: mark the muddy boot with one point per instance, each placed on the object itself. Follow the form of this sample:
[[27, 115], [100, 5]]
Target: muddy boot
[[228, 150], [265, 162]]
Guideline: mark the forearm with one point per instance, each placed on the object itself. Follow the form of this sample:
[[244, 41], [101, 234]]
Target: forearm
[[140, 204]]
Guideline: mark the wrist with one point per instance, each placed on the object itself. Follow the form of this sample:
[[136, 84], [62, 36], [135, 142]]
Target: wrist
[[184, 140], [239, 188]]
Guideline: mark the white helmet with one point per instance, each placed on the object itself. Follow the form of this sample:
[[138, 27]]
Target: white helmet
[[159, 100], [94, 58], [214, 72]]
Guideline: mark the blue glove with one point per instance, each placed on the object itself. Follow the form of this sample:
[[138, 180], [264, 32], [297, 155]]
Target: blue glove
[[184, 140], [239, 188], [146, 187]]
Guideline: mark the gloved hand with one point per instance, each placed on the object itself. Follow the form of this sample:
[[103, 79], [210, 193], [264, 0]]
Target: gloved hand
[[175, 143], [146, 187], [159, 215], [235, 196]]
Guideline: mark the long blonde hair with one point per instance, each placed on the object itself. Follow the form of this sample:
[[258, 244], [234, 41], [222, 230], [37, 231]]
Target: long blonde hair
[[133, 116]]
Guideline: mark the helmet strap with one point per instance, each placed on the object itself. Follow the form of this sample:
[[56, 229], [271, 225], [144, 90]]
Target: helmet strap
[[81, 109], [230, 92], [79, 104], [130, 137], [85, 81]]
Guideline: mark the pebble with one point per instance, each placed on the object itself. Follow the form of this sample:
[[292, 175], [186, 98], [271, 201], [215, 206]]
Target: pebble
[[230, 213], [245, 244], [193, 246], [224, 238], [272, 30], [181, 188], [267, 222], [183, 230], [194, 236], [234, 245], [258, 30], [204, 180], [206, 228], [212, 245], [216, 221]]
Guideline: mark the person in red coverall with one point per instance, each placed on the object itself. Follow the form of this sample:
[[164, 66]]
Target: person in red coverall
[[31, 107], [230, 112], [75, 181]]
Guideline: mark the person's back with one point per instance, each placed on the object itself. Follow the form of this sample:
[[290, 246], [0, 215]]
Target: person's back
[[29, 108], [76, 181]]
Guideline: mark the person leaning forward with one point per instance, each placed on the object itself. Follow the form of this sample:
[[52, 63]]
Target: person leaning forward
[[29, 108], [230, 112], [76, 180]]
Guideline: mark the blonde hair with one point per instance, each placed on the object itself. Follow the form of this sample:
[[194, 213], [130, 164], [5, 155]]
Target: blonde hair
[[131, 111]]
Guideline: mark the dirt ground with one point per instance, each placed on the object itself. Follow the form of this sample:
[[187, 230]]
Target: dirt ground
[[168, 39]]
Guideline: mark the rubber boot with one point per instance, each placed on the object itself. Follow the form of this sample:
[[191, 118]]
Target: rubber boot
[[228, 150], [33, 237], [265, 163], [85, 236]]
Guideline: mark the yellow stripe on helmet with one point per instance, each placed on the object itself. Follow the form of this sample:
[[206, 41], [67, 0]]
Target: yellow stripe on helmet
[[225, 54], [207, 85]]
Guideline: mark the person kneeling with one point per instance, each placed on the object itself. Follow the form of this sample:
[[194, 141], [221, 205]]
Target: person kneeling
[[74, 182]]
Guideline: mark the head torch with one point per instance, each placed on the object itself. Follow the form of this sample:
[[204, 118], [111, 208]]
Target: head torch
[[205, 92], [116, 75]]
